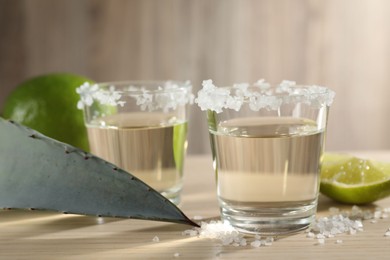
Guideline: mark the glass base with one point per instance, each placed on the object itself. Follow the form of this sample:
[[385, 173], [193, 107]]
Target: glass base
[[271, 218]]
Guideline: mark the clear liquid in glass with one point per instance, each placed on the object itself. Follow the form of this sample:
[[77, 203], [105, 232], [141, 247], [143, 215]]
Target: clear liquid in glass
[[267, 172], [151, 146]]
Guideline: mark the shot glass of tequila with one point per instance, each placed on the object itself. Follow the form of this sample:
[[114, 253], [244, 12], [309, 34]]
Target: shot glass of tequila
[[266, 145], [141, 127]]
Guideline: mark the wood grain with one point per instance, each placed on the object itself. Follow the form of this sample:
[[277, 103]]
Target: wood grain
[[49, 235], [343, 44]]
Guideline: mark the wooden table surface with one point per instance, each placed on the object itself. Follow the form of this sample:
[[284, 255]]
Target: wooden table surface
[[51, 235]]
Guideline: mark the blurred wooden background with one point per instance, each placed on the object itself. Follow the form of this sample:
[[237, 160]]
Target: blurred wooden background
[[342, 44]]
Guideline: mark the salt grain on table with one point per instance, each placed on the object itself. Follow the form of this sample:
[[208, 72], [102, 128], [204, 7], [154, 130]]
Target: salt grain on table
[[339, 222], [256, 243]]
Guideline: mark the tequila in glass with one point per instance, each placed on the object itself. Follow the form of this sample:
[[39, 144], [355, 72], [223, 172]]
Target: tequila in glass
[[266, 144], [140, 127], [267, 171], [139, 144]]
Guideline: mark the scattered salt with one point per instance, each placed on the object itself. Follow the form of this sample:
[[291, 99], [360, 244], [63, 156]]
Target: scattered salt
[[243, 242], [334, 210], [377, 214], [226, 234], [334, 225], [268, 241], [341, 222], [190, 232], [222, 231], [338, 223], [310, 235], [352, 231], [156, 239], [256, 243], [176, 255]]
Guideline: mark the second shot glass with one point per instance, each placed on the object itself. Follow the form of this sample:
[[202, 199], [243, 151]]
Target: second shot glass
[[141, 127]]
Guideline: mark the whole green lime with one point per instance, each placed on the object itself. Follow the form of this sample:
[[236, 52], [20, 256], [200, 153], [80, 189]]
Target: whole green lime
[[48, 104]]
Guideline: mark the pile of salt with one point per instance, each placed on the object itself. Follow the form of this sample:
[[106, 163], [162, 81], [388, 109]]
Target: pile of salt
[[339, 222], [227, 234]]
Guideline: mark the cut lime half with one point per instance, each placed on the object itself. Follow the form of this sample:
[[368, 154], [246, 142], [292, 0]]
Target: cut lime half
[[353, 180]]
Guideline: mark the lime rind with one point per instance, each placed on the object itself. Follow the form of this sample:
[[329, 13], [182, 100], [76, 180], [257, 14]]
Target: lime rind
[[47, 103], [354, 180], [179, 145], [354, 194]]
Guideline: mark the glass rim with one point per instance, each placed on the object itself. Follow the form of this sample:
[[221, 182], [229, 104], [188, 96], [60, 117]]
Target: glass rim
[[147, 94], [314, 90], [140, 87], [261, 95]]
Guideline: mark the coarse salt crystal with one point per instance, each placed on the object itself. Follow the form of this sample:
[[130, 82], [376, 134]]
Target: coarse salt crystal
[[156, 239], [345, 222], [190, 232], [222, 231], [176, 255], [335, 231], [268, 243], [341, 223], [243, 242], [377, 214], [259, 96], [227, 235], [310, 235], [167, 97], [227, 241], [256, 243]]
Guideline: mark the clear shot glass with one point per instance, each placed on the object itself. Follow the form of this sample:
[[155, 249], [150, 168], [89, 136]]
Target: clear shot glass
[[141, 127], [267, 144]]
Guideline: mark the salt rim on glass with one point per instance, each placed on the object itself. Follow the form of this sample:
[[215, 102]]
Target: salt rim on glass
[[260, 95], [166, 96]]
